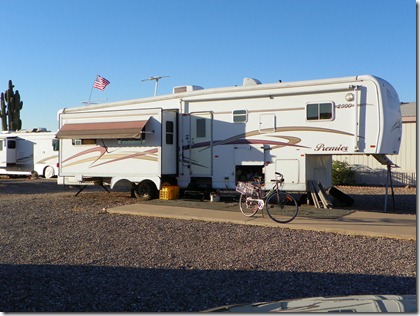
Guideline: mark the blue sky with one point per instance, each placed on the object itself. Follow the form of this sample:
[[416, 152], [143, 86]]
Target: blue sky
[[52, 50]]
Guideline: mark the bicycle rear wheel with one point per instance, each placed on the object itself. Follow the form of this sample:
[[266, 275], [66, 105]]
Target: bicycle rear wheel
[[281, 207], [248, 208]]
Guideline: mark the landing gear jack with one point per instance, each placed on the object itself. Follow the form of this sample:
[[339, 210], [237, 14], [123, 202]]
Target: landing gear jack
[[81, 188]]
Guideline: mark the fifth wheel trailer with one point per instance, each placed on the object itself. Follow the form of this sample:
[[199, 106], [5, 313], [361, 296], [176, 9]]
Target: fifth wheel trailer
[[221, 135]]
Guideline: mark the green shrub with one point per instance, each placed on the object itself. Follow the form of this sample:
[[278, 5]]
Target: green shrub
[[342, 173]]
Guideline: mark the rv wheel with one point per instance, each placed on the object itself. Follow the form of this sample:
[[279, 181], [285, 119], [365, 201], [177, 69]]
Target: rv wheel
[[146, 190]]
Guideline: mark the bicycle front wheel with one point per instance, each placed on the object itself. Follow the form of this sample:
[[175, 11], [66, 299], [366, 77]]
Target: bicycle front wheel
[[281, 207], [248, 207]]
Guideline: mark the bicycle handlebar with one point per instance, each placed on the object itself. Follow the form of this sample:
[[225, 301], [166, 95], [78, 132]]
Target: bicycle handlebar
[[278, 174], [280, 178]]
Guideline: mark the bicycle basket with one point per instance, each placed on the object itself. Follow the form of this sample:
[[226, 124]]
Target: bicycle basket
[[244, 187]]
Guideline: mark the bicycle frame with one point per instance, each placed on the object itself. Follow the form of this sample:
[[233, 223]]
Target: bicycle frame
[[277, 187]]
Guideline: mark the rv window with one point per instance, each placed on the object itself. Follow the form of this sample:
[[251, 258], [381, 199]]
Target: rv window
[[169, 132], [55, 144], [201, 128], [11, 144], [240, 116], [1, 145], [325, 111], [319, 111]]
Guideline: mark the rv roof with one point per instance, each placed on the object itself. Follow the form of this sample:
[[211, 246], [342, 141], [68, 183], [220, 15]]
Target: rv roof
[[199, 92]]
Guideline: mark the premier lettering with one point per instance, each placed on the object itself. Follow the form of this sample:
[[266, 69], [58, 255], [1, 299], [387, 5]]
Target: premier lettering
[[322, 147]]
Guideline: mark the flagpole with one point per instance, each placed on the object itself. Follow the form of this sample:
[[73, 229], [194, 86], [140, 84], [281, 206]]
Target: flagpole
[[91, 89]]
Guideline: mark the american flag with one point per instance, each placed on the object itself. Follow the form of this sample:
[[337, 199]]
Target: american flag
[[100, 83]]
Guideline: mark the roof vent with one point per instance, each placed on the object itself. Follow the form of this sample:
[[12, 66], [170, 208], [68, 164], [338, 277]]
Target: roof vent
[[39, 130], [250, 82], [181, 89]]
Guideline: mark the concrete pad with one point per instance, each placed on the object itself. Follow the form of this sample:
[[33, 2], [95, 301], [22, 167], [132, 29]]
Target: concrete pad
[[357, 223]]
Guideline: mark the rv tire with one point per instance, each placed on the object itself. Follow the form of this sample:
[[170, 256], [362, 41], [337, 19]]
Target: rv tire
[[145, 190], [49, 172]]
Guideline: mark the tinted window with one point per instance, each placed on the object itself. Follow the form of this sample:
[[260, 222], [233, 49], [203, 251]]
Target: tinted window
[[319, 111], [201, 128], [169, 132], [325, 111], [312, 112], [240, 116], [11, 144]]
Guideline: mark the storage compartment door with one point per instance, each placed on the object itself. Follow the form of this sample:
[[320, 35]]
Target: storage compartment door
[[289, 168]]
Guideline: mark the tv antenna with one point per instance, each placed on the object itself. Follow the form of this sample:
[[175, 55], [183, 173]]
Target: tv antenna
[[156, 78]]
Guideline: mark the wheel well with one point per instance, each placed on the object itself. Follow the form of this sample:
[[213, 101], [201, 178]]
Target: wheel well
[[168, 181], [148, 182], [48, 166], [122, 183]]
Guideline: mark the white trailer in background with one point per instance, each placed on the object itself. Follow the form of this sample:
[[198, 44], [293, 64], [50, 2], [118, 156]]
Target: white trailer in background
[[24, 153], [219, 136]]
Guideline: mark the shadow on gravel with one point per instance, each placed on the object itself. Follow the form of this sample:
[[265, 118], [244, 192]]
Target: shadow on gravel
[[53, 288], [39, 186], [404, 203], [30, 186]]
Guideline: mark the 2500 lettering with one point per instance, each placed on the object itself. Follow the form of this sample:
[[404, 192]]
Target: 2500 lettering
[[344, 106]]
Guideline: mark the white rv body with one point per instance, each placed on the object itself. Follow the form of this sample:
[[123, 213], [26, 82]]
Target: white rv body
[[227, 134], [22, 153]]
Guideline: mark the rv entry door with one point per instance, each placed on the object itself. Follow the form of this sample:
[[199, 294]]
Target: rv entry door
[[201, 131], [3, 152], [7, 151]]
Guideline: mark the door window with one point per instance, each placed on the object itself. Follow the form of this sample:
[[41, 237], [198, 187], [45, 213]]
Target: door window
[[201, 128]]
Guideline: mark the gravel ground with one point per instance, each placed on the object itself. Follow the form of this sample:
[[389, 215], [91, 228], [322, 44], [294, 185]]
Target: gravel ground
[[62, 253]]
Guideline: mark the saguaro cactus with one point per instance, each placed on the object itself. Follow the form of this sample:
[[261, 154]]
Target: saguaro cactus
[[3, 113], [11, 105], [17, 104]]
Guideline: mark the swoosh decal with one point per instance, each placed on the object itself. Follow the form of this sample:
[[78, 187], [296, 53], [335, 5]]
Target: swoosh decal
[[103, 157], [246, 138], [146, 155]]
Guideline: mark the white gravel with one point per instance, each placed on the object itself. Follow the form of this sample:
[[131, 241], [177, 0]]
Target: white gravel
[[61, 253]]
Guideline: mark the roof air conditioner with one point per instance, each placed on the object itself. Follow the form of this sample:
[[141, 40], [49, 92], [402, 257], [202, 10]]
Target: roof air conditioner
[[181, 89]]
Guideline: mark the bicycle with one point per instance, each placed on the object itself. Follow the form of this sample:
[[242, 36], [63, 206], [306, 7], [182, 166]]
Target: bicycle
[[280, 205]]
